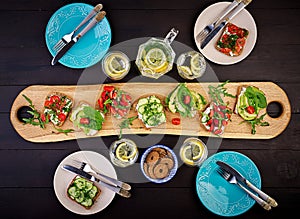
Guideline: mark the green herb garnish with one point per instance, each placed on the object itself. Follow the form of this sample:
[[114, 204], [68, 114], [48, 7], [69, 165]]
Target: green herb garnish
[[65, 131], [217, 93], [256, 122], [126, 124], [36, 116]]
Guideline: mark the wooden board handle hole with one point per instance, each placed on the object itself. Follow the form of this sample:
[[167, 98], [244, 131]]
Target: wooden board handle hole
[[22, 113], [274, 109]]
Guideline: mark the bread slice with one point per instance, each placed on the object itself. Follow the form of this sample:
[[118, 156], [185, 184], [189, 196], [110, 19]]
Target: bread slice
[[57, 107], [86, 203], [232, 40]]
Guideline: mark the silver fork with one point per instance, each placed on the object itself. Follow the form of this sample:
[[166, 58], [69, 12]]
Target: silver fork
[[68, 37], [203, 33], [232, 179], [88, 168]]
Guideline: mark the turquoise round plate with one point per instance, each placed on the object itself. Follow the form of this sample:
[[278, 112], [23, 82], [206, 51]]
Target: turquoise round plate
[[90, 48], [218, 195]]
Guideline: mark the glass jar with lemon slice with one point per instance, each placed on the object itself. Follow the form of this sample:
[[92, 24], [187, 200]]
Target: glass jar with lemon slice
[[155, 57], [123, 152], [115, 65], [193, 152], [191, 65]]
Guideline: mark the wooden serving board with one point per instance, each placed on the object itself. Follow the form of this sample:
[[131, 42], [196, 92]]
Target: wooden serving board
[[188, 126]]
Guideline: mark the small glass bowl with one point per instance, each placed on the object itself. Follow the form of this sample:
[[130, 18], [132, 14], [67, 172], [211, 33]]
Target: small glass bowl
[[115, 65], [186, 152], [115, 153], [159, 164], [191, 65]]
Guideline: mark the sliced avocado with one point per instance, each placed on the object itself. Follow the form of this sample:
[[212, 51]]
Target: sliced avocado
[[173, 100], [245, 115], [242, 105]]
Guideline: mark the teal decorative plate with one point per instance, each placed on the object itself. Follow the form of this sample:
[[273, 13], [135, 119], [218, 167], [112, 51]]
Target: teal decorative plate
[[90, 48], [218, 195]]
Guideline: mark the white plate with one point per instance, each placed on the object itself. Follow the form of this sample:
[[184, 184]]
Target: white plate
[[62, 179], [243, 19]]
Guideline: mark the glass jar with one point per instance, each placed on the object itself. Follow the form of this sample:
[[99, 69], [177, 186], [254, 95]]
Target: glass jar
[[156, 57], [191, 65]]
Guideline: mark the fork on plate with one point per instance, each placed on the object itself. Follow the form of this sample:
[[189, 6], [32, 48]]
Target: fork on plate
[[68, 37], [207, 29], [88, 168], [232, 179]]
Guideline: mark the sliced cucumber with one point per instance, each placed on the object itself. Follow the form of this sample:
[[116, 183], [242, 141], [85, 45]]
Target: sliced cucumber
[[156, 119], [154, 99], [93, 192], [87, 202], [143, 101], [142, 108], [88, 186], [80, 197], [159, 108], [73, 191], [80, 183]]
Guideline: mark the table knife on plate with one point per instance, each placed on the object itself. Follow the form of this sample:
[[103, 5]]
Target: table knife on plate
[[242, 179], [216, 30], [92, 178], [66, 47]]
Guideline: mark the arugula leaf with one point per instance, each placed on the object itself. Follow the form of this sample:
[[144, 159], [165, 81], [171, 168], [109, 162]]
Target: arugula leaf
[[65, 131], [256, 122], [217, 93], [36, 119], [125, 124]]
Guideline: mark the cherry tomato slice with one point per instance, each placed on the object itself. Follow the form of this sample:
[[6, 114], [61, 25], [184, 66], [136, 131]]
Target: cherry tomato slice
[[48, 104], [250, 109], [108, 88], [61, 117], [84, 121], [54, 99], [176, 121]]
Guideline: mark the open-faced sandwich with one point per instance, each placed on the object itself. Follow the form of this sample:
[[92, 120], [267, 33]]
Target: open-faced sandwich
[[184, 101], [232, 40], [117, 101], [250, 101], [83, 192], [87, 118], [151, 111], [57, 107]]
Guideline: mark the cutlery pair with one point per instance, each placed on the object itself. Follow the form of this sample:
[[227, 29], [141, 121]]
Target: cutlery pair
[[68, 40], [234, 177], [211, 30], [92, 176]]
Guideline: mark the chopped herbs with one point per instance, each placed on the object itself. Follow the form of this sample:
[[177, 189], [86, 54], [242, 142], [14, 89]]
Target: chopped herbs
[[125, 124]]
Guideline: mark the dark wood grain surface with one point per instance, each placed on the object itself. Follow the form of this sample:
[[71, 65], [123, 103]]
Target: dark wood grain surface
[[27, 169]]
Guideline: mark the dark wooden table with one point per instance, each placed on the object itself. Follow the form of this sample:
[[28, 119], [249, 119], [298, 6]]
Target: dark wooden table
[[27, 169]]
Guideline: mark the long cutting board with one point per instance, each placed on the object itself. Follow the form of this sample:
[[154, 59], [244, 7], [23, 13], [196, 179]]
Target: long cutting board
[[188, 126]]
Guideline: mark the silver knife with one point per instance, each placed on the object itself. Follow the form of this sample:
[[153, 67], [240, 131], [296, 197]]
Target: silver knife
[[66, 47], [214, 32], [92, 178], [242, 179]]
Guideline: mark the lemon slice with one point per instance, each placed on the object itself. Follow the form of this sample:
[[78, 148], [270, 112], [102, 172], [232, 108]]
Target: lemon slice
[[125, 152], [195, 62], [156, 59], [191, 153], [117, 64], [186, 71]]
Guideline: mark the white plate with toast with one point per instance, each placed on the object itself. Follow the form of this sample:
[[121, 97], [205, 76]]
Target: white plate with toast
[[244, 20], [63, 178]]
